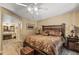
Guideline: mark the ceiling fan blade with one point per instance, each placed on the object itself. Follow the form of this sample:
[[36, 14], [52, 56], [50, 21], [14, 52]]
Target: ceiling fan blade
[[42, 8], [21, 4]]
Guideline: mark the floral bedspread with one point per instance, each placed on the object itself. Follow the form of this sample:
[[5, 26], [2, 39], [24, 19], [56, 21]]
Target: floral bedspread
[[48, 44]]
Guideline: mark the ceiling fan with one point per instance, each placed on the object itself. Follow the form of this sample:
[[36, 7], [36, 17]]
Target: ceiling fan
[[32, 5], [21, 4], [33, 8]]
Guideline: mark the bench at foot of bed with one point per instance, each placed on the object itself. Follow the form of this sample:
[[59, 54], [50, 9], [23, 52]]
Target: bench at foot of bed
[[27, 51]]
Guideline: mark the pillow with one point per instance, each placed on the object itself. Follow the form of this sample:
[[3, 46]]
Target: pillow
[[55, 33], [45, 33]]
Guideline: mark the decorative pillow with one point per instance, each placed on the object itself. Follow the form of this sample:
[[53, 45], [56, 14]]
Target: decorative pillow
[[45, 33]]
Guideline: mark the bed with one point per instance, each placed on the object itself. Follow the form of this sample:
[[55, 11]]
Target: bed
[[50, 41]]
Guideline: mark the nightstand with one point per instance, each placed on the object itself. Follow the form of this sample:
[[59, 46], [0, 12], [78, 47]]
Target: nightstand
[[72, 43], [77, 46]]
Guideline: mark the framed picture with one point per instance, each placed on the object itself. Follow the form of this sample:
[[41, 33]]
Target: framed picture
[[30, 26]]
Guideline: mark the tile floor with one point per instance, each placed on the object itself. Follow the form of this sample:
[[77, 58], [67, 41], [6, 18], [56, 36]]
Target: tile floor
[[68, 52], [12, 47]]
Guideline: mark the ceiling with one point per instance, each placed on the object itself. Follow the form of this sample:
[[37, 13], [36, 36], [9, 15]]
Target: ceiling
[[45, 9]]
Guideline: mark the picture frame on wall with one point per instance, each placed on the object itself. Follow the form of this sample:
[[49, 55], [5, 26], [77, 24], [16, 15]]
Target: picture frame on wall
[[30, 26]]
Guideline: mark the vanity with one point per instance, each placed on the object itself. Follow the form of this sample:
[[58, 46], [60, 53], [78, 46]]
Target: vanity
[[9, 35]]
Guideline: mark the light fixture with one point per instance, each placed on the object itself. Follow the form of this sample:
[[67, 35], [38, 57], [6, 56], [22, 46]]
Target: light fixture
[[29, 9], [35, 8]]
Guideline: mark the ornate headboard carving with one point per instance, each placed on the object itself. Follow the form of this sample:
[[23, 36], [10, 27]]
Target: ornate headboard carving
[[61, 28]]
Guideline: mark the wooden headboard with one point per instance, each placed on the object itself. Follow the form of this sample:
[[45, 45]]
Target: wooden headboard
[[61, 28]]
